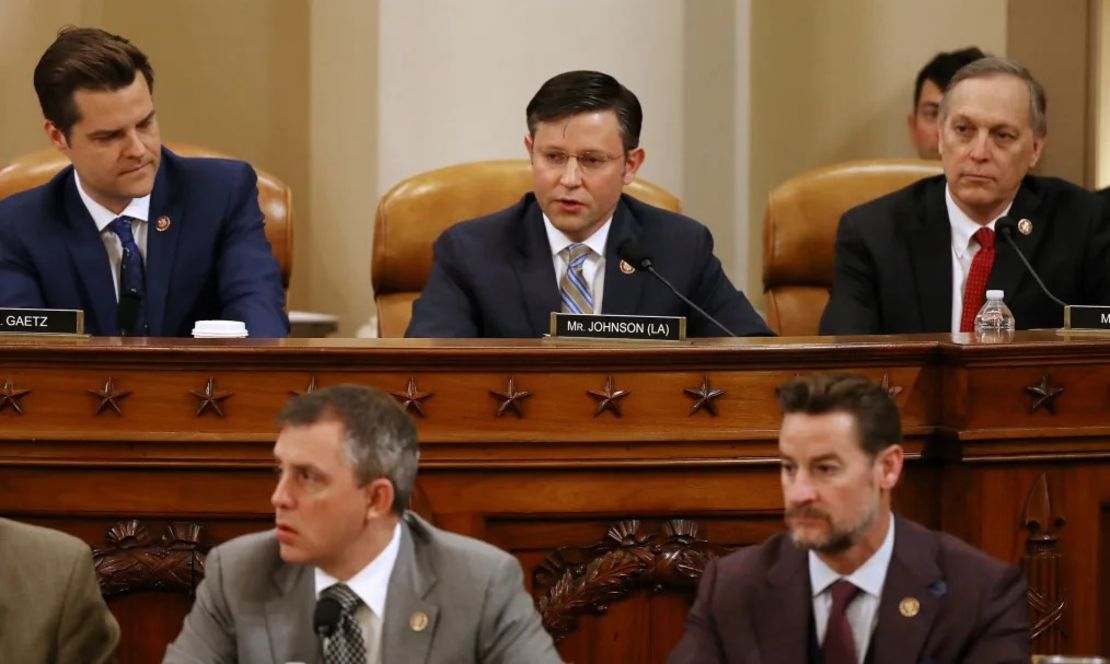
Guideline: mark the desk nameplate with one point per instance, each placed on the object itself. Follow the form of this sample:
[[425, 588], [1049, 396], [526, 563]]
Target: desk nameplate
[[42, 321]]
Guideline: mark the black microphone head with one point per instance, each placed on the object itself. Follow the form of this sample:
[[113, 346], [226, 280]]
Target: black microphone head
[[632, 253], [1006, 226], [326, 617]]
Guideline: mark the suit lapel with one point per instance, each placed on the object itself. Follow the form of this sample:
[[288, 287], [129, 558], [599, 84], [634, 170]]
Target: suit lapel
[[161, 246], [535, 267], [1008, 268], [930, 245], [621, 293], [289, 616], [90, 259], [783, 607], [410, 619], [912, 576]]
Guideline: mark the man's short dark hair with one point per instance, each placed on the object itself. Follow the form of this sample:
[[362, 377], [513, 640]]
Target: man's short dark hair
[[942, 68], [381, 438], [85, 59], [878, 423], [575, 92]]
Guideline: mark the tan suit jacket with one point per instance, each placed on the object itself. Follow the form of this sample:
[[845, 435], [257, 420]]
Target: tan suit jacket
[[51, 609]]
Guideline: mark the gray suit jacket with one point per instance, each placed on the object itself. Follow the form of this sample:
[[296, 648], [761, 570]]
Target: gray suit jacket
[[51, 609], [253, 608]]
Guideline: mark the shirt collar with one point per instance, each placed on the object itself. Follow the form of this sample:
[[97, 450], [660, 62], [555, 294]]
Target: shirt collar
[[558, 241], [868, 577], [963, 226], [371, 583], [138, 208]]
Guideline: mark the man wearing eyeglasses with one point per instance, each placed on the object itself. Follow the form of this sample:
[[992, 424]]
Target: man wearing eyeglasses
[[556, 249]]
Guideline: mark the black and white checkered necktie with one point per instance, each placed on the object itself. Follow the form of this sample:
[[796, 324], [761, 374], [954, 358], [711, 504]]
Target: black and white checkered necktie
[[346, 645]]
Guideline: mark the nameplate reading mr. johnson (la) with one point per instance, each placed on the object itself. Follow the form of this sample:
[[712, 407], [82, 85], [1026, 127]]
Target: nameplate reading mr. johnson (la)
[[614, 326], [42, 321]]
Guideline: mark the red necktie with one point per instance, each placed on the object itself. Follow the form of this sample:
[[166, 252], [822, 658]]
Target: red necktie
[[975, 288], [840, 645]]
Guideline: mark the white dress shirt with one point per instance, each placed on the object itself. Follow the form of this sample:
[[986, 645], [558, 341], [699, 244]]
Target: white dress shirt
[[863, 611], [371, 584], [593, 270], [139, 211], [964, 249]]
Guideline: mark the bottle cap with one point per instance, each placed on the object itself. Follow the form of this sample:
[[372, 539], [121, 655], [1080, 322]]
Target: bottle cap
[[995, 294]]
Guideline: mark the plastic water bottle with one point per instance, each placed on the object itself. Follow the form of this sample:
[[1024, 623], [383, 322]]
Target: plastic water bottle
[[995, 316]]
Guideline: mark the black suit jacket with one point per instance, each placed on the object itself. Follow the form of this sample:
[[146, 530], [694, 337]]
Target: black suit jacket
[[494, 276], [755, 606], [894, 259]]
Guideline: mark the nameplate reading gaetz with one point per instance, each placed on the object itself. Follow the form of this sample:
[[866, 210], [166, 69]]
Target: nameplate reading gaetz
[[613, 326], [42, 321], [1086, 317]]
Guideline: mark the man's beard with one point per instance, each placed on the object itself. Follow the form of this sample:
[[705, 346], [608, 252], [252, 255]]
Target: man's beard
[[838, 540]]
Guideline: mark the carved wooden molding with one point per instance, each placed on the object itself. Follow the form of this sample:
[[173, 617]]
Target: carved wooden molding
[[11, 397], [309, 389], [1044, 395], [132, 561], [1041, 566], [412, 397], [210, 398], [608, 398], [580, 580], [110, 397], [703, 397], [511, 398]]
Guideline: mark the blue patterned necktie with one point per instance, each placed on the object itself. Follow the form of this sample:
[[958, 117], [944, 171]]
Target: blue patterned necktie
[[132, 279], [573, 290], [346, 645]]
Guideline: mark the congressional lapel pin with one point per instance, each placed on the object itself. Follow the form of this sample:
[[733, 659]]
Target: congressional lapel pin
[[909, 607], [418, 621], [626, 268], [162, 224], [1025, 227]]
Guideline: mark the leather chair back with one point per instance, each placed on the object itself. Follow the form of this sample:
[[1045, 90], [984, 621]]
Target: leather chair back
[[799, 233], [274, 196], [413, 213]]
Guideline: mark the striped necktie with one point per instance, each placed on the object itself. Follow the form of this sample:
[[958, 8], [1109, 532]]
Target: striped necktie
[[573, 290]]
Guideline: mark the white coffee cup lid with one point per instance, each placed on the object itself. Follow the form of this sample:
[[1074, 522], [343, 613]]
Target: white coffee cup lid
[[219, 328]]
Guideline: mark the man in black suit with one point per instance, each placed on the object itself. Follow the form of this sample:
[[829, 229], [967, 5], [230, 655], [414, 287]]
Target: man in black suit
[[851, 582], [921, 259], [557, 249]]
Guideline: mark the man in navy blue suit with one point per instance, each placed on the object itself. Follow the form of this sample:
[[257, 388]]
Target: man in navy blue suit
[[557, 248], [144, 241]]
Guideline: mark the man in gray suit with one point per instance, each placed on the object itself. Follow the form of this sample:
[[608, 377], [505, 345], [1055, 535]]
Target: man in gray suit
[[379, 583], [51, 609]]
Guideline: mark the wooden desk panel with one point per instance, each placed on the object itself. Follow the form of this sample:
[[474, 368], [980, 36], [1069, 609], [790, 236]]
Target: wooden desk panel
[[560, 474]]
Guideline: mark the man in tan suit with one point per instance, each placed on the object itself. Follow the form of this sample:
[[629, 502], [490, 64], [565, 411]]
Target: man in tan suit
[[51, 609]]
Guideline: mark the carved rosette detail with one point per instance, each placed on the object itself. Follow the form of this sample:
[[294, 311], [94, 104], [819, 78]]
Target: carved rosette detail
[[133, 561], [511, 398], [1044, 395], [11, 397], [412, 398], [110, 397], [1041, 565], [210, 398], [703, 397], [608, 398], [573, 581]]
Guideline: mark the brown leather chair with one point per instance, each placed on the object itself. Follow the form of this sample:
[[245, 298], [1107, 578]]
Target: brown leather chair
[[274, 196], [799, 233], [413, 213]]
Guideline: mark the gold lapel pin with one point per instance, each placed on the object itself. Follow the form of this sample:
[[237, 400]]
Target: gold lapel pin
[[1025, 227], [626, 268], [162, 224], [909, 607], [418, 621]]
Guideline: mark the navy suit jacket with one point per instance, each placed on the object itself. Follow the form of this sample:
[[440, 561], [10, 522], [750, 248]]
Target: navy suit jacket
[[756, 606], [494, 276], [213, 262], [893, 270]]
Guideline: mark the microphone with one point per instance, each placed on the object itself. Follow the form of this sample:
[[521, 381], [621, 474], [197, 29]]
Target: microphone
[[632, 253], [127, 312], [326, 617], [1006, 226]]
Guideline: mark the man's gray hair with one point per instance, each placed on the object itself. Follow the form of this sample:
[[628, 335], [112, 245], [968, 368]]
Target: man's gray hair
[[381, 438], [994, 66]]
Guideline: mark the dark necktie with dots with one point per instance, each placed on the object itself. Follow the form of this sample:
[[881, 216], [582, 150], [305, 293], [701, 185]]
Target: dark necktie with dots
[[346, 645], [132, 278]]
